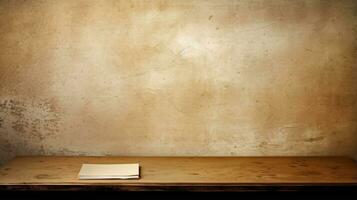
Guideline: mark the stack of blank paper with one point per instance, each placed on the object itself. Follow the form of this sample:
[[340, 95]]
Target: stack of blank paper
[[109, 171]]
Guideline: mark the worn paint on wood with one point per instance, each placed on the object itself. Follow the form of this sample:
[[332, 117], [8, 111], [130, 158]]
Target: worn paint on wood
[[186, 174]]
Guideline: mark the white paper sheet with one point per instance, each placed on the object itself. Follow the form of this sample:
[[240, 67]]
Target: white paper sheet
[[109, 171]]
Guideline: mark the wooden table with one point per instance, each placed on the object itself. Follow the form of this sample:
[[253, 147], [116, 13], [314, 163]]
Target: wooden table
[[185, 174]]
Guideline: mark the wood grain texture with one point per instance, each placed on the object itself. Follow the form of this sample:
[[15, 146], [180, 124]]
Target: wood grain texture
[[185, 174]]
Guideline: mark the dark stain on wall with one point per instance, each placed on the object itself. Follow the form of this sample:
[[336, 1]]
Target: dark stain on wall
[[37, 120], [5, 145]]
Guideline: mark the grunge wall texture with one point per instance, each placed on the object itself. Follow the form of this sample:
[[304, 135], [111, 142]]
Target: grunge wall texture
[[178, 78]]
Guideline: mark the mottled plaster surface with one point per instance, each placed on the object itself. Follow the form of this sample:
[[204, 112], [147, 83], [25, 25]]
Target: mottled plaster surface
[[208, 78]]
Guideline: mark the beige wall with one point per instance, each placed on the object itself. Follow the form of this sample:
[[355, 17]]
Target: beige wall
[[222, 78]]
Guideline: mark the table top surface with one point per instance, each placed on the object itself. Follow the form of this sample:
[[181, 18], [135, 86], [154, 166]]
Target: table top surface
[[186, 170]]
